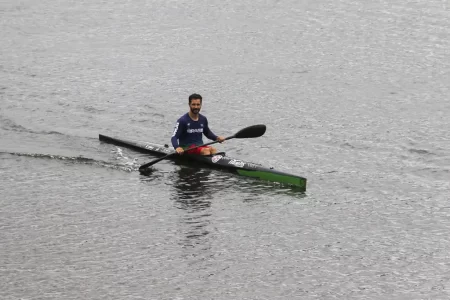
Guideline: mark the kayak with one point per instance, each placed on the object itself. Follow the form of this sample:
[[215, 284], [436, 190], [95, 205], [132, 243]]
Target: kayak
[[217, 161]]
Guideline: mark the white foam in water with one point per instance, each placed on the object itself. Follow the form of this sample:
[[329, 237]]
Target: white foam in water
[[119, 153], [126, 161], [132, 163]]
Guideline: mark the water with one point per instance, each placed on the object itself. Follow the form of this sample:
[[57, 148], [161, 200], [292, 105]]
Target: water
[[355, 98]]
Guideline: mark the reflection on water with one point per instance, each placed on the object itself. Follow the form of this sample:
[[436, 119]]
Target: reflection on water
[[191, 187], [194, 188], [192, 194]]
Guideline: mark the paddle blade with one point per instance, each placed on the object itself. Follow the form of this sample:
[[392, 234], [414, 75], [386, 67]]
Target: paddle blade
[[146, 171], [251, 132]]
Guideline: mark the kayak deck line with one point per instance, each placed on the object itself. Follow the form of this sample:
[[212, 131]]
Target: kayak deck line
[[219, 161]]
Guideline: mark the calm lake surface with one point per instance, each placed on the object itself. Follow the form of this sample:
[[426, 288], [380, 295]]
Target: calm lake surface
[[355, 97]]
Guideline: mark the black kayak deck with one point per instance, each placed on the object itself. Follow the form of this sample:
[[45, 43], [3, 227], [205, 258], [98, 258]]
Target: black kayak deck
[[219, 161]]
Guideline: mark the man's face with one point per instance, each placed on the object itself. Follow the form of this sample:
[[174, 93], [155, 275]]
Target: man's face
[[195, 106]]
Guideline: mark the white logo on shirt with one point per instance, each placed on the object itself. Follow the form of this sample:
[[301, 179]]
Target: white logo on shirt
[[195, 130], [176, 129]]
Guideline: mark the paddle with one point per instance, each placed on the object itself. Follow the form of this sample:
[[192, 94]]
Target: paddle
[[245, 133]]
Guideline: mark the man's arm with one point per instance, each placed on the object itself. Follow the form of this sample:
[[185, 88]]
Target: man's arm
[[177, 131], [208, 133]]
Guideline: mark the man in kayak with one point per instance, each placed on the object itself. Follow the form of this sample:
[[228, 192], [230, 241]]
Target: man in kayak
[[190, 128]]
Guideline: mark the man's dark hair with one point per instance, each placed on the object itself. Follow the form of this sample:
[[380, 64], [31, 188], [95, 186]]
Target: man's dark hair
[[195, 96]]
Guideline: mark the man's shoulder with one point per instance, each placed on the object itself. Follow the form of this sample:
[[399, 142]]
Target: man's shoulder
[[202, 117], [183, 118]]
